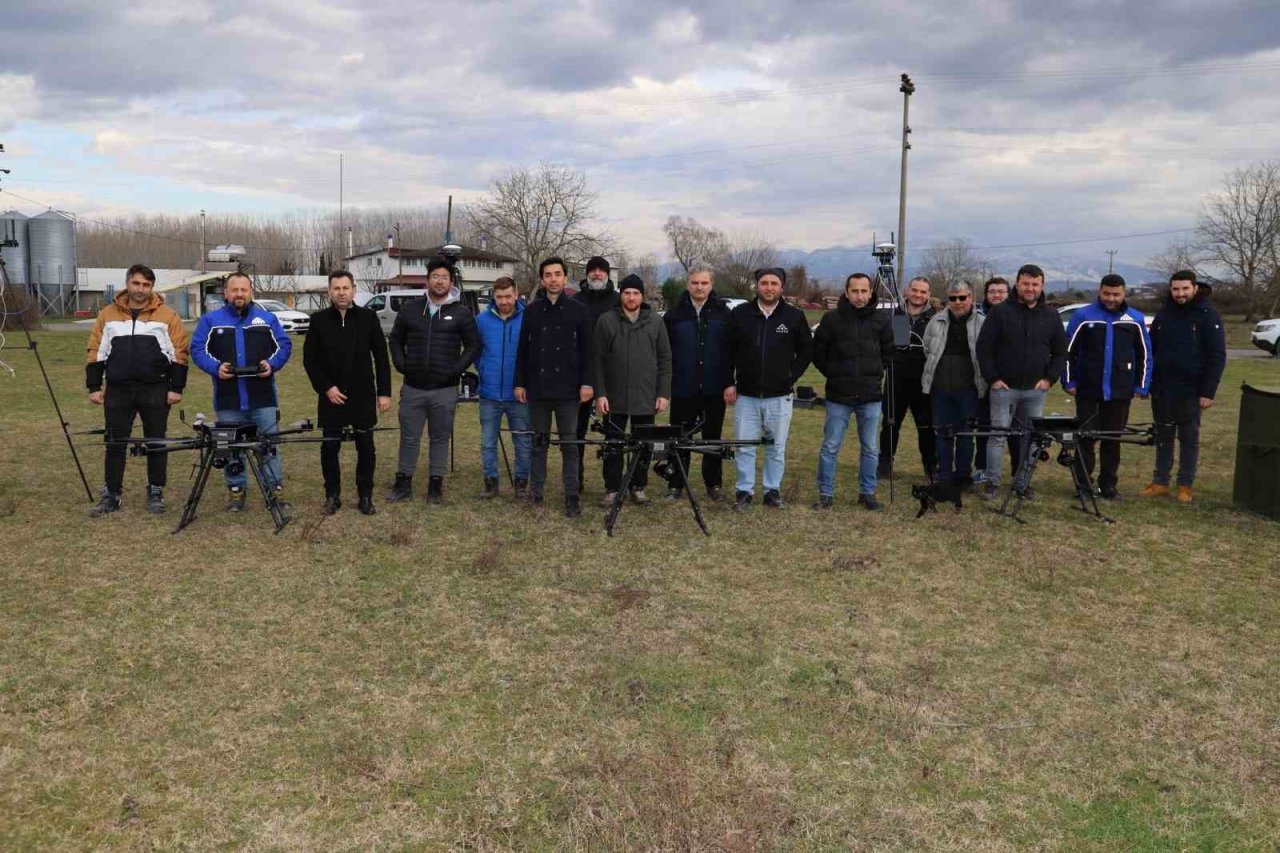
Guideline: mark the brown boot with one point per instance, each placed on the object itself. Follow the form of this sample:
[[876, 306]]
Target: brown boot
[[1184, 494], [1155, 490]]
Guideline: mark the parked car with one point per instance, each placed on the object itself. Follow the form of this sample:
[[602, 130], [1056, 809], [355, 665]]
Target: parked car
[[1266, 336], [387, 304], [291, 320], [1066, 311]]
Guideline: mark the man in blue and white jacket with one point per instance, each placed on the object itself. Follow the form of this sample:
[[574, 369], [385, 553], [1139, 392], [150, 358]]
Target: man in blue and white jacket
[[499, 327], [240, 334], [1108, 364]]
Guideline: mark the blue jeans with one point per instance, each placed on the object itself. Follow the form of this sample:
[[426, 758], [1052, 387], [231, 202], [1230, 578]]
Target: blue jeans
[[265, 418], [955, 453], [754, 417], [491, 412], [1010, 407], [833, 430]]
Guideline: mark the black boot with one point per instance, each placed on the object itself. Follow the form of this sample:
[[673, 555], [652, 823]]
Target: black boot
[[155, 499], [107, 503], [522, 489], [401, 490], [332, 503], [435, 490], [490, 488], [366, 506]]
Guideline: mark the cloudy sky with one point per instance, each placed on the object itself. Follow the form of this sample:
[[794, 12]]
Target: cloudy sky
[[782, 118]]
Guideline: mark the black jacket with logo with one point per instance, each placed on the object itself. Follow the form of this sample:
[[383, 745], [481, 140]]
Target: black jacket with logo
[[769, 354], [430, 350], [852, 348], [554, 356], [1020, 346]]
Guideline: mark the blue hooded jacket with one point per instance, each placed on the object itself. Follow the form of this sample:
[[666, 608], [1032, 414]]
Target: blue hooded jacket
[[241, 340], [499, 341]]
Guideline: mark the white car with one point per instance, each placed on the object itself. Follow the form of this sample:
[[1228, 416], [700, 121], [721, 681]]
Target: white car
[[1266, 335], [1066, 311], [291, 320]]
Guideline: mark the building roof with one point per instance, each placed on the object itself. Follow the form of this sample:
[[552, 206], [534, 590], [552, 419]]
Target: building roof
[[469, 253]]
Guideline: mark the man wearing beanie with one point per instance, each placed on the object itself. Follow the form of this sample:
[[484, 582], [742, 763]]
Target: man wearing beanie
[[631, 363], [770, 346], [600, 297]]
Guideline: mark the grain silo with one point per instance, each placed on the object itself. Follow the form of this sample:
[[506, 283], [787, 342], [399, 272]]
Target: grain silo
[[13, 226], [51, 259]]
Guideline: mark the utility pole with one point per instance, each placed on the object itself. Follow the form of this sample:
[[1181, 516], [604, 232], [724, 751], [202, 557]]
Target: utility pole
[[341, 222], [907, 89], [203, 254], [1111, 261], [399, 249]]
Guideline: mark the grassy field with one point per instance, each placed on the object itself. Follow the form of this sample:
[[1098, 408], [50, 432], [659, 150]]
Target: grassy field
[[476, 676]]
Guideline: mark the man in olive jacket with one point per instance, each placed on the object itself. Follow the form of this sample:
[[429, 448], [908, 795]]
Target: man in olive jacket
[[345, 357], [631, 363]]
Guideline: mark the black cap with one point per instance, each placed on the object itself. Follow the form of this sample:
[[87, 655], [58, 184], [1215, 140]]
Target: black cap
[[764, 271], [598, 263], [632, 282]]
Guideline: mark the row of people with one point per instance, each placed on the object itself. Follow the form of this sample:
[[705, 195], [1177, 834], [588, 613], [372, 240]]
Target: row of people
[[604, 351]]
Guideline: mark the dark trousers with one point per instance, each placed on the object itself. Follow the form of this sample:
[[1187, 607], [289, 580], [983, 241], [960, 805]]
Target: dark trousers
[[615, 426], [908, 396], [584, 421], [955, 453], [686, 411], [122, 404], [1106, 416], [566, 415], [1176, 415], [366, 461]]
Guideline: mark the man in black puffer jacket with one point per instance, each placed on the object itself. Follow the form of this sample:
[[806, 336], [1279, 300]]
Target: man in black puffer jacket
[[1189, 352], [852, 347], [433, 341], [598, 294], [771, 346]]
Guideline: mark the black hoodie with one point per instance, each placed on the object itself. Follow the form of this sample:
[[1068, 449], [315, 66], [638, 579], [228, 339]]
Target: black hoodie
[[769, 354], [1021, 345]]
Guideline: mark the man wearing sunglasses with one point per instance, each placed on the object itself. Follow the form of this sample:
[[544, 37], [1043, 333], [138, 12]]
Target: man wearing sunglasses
[[953, 380]]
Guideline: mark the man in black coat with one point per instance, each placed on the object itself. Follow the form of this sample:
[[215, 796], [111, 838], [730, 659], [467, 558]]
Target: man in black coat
[[852, 348], [552, 376], [345, 357], [598, 293], [1021, 350], [433, 341], [1189, 353], [908, 390], [698, 329]]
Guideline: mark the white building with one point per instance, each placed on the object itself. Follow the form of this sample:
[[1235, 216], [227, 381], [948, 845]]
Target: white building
[[394, 268], [186, 290]]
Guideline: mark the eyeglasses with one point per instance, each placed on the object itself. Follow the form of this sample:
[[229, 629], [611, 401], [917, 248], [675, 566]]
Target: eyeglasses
[[960, 298]]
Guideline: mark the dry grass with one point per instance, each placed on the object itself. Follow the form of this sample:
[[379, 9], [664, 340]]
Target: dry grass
[[474, 676]]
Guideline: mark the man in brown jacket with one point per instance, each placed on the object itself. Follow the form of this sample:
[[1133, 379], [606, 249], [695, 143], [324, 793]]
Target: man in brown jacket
[[138, 345]]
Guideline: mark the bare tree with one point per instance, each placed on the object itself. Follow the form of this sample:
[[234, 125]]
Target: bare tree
[[534, 214], [1181, 254], [952, 261], [691, 241], [743, 254], [1240, 227]]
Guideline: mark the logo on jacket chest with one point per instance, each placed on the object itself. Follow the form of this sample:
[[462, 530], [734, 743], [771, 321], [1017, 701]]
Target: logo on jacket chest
[[782, 329]]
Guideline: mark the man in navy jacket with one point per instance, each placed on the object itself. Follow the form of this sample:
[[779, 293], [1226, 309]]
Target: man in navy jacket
[[1190, 352], [1108, 364], [241, 334]]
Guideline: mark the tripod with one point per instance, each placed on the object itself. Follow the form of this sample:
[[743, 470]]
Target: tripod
[[5, 286], [887, 281]]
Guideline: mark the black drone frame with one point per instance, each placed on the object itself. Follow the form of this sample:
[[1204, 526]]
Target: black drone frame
[[661, 442], [224, 446], [1040, 435]]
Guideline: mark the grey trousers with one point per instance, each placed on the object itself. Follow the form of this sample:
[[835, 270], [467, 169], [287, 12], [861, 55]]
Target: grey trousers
[[566, 413], [434, 409]]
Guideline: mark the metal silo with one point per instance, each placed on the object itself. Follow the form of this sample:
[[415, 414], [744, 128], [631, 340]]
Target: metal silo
[[51, 260], [13, 225]]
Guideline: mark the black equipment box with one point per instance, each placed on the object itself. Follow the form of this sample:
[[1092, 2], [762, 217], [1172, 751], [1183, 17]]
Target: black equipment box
[[1257, 484]]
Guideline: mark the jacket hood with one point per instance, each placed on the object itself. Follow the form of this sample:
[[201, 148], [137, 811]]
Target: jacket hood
[[1119, 312], [493, 309], [845, 306], [645, 311], [1198, 299], [1013, 299], [154, 302]]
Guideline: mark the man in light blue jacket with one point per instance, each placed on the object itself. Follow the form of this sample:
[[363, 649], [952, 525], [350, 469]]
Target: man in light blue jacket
[[499, 327]]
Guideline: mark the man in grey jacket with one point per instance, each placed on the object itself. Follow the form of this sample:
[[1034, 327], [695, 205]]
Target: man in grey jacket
[[953, 380], [631, 367]]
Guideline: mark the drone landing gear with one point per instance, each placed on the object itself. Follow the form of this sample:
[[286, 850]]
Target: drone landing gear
[[209, 457]]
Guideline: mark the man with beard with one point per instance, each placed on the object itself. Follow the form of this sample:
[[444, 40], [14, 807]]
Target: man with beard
[[239, 335], [433, 341], [771, 346], [600, 297], [698, 329], [852, 348], [345, 357], [1190, 352]]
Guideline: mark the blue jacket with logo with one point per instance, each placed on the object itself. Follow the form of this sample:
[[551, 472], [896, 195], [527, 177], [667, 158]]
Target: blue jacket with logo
[[241, 340], [499, 342], [1108, 354]]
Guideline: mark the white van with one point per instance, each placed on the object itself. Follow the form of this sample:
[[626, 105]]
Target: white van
[[388, 303]]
